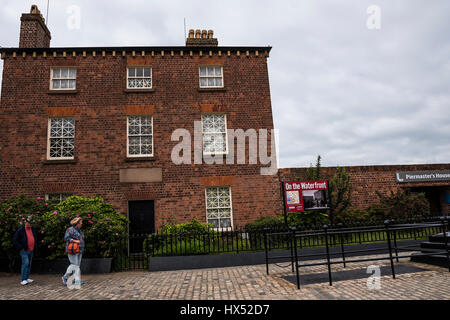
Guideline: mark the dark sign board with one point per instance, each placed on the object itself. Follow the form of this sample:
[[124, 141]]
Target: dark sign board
[[306, 195], [422, 176]]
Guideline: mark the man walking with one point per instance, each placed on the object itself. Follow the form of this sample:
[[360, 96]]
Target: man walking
[[25, 241]]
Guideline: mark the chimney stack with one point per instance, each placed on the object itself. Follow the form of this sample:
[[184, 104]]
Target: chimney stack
[[201, 38], [33, 31]]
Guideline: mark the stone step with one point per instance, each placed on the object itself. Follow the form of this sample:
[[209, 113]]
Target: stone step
[[434, 245], [439, 238], [436, 260]]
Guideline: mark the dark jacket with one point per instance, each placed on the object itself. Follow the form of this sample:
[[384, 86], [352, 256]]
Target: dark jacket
[[20, 239]]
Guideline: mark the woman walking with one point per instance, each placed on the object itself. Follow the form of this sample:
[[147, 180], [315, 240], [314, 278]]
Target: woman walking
[[74, 235]]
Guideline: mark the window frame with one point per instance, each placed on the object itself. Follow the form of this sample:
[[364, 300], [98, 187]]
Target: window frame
[[226, 135], [207, 77], [49, 137], [68, 79], [47, 195], [231, 227], [143, 77], [128, 136]]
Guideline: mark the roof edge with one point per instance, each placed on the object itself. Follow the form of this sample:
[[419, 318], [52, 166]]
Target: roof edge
[[142, 48]]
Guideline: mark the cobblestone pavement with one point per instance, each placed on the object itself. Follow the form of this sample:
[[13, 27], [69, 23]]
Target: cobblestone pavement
[[235, 283]]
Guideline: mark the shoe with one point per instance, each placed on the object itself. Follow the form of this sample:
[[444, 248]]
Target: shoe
[[64, 281], [78, 283], [29, 280], [24, 282]]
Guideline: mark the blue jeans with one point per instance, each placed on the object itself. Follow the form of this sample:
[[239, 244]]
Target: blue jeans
[[75, 263], [27, 257]]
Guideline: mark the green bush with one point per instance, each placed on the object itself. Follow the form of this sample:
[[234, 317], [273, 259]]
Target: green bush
[[294, 219], [401, 205], [307, 218], [190, 238], [189, 229], [340, 193], [182, 247], [266, 222], [13, 213], [104, 228], [351, 216]]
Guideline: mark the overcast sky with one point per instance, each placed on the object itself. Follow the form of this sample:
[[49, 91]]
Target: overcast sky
[[353, 94]]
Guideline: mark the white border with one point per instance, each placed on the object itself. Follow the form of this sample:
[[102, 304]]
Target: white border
[[153, 141], [226, 135], [151, 77], [200, 77], [231, 209], [63, 89], [48, 138]]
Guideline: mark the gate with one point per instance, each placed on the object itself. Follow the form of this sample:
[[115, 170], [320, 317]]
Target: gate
[[130, 254]]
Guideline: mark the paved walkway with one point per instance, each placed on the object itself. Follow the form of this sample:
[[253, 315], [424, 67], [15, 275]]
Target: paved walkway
[[236, 283]]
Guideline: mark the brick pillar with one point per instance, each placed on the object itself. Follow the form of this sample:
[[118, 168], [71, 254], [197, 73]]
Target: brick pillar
[[33, 31]]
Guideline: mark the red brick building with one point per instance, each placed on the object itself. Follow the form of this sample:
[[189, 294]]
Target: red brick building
[[100, 120], [106, 121]]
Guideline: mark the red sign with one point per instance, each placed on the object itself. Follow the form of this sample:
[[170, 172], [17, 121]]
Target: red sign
[[306, 195]]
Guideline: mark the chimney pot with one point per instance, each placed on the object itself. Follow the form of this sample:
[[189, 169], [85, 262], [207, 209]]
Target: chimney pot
[[203, 38], [34, 9]]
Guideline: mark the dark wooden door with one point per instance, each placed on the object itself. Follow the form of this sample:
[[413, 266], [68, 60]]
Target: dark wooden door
[[142, 222]]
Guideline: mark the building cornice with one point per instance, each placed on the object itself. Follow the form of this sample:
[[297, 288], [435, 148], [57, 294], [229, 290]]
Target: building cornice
[[137, 51]]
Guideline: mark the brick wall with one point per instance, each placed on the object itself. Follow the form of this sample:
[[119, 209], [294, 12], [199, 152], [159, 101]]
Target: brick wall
[[100, 106]]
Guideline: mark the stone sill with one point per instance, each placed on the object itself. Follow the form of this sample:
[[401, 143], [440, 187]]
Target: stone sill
[[62, 92], [137, 159], [74, 161], [139, 90], [211, 89]]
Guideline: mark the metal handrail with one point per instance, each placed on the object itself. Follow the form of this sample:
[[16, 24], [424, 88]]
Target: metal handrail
[[389, 228]]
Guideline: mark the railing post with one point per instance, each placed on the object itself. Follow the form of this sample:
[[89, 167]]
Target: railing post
[[209, 240], [153, 243], [342, 244], [237, 240], [325, 228], [171, 243], [395, 242], [293, 244], [266, 249], [444, 234], [386, 224], [296, 257]]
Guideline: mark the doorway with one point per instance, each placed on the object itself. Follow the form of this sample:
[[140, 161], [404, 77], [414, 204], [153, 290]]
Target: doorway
[[435, 196], [142, 223]]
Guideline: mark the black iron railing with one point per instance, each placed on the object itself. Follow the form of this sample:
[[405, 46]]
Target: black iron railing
[[132, 252], [333, 241], [135, 250]]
